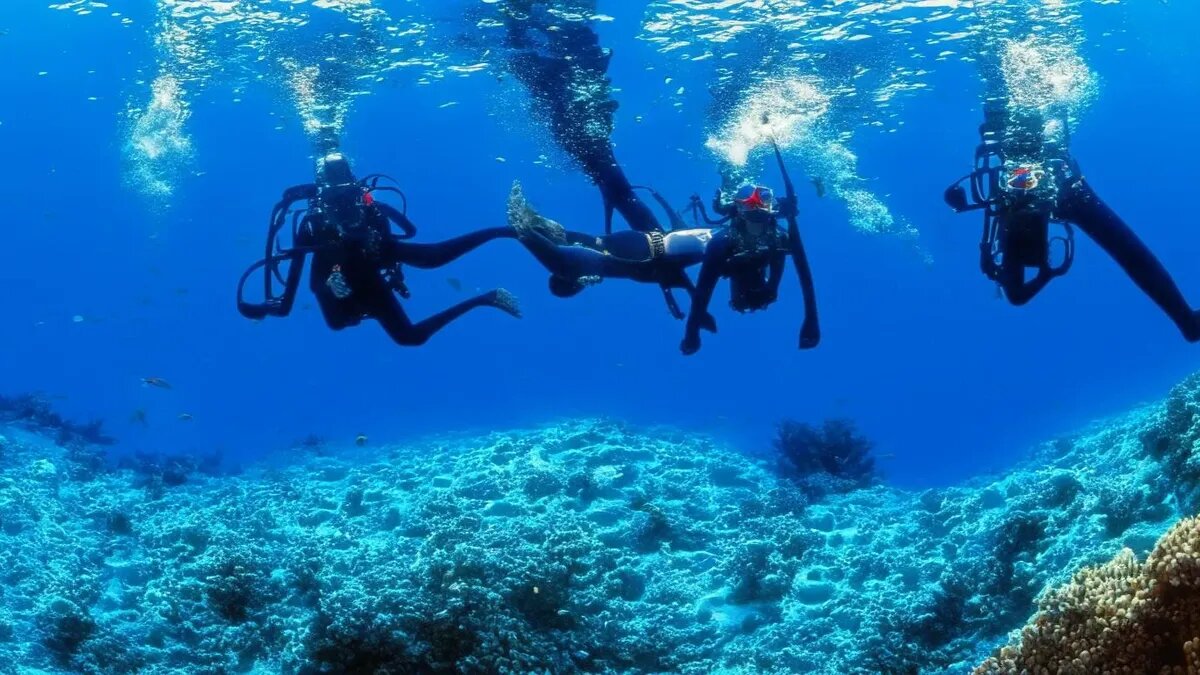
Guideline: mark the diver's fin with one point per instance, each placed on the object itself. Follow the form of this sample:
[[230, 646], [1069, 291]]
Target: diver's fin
[[524, 218]]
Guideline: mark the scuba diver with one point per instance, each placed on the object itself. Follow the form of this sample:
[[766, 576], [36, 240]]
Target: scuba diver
[[561, 63], [750, 252], [357, 258], [577, 260], [747, 246], [1024, 181]]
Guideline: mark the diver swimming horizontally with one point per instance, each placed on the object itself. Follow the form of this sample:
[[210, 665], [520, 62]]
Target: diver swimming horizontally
[[561, 63], [1025, 179], [357, 258], [747, 246], [577, 260]]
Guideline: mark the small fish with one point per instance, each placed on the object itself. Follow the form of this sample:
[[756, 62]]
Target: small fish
[[819, 184], [185, 417], [156, 382], [139, 417], [361, 440], [181, 291], [454, 283]]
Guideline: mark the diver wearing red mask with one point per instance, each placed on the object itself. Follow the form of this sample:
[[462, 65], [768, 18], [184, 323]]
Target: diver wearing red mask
[[1025, 181]]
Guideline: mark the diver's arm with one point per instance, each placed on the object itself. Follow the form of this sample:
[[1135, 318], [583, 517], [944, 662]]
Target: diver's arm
[[710, 273], [810, 330]]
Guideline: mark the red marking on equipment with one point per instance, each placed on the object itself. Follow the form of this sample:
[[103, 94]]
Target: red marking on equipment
[[754, 201]]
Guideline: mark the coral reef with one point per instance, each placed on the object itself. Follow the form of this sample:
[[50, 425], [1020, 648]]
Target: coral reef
[[34, 411], [1122, 616], [585, 546]]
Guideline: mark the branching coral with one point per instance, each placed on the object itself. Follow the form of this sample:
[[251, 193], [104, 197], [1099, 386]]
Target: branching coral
[[834, 458], [1120, 617]]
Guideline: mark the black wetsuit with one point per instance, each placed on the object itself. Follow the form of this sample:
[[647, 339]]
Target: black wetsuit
[[356, 271], [622, 255], [754, 267], [1016, 223], [557, 58]]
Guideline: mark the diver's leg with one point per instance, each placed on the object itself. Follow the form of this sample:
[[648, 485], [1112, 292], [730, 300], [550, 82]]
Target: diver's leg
[[388, 312], [584, 239], [629, 244], [618, 193], [543, 237], [577, 261], [428, 256], [1082, 206]]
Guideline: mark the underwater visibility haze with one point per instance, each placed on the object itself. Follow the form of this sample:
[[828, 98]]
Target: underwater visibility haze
[[564, 490]]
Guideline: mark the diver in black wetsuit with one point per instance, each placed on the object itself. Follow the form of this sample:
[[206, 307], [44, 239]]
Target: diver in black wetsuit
[[356, 270], [577, 260], [561, 63], [1024, 180], [750, 252]]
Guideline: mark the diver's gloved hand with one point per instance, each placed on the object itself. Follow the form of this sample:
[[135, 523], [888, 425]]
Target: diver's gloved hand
[[810, 334], [690, 345]]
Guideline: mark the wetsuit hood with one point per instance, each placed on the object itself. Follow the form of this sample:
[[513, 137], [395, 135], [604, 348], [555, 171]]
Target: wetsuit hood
[[334, 169]]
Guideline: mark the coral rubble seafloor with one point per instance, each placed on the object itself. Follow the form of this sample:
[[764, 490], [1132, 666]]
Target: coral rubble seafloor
[[589, 546]]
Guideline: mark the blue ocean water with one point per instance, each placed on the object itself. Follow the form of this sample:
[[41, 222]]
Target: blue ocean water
[[567, 492], [948, 379]]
